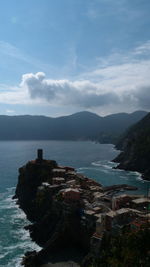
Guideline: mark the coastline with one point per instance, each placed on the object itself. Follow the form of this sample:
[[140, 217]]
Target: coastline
[[125, 167]]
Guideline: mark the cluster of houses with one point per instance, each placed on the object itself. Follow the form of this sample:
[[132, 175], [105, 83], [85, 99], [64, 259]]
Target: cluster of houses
[[97, 207]]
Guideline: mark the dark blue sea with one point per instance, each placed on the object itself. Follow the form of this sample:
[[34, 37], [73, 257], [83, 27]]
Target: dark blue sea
[[90, 158]]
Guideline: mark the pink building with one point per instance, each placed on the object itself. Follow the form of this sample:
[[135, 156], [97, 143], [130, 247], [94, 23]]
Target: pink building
[[71, 194]]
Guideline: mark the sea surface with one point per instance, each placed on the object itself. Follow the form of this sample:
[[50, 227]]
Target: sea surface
[[94, 160]]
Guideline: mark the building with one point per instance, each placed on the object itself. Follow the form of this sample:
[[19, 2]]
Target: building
[[100, 224], [71, 182], [114, 219], [98, 195], [94, 188], [71, 194], [97, 209], [89, 213], [141, 203], [124, 216], [57, 172], [67, 168], [58, 180], [121, 201]]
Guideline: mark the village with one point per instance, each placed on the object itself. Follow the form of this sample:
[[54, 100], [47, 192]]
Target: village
[[105, 209]]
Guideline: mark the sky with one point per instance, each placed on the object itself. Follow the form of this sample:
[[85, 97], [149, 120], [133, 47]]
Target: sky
[[58, 57]]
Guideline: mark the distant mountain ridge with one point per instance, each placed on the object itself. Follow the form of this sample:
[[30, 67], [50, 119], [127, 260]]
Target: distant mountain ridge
[[79, 126], [135, 146]]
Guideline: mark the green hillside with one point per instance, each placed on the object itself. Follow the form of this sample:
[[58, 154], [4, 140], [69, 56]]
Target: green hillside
[[136, 148], [79, 126]]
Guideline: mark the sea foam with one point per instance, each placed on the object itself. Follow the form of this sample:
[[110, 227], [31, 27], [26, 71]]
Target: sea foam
[[14, 239]]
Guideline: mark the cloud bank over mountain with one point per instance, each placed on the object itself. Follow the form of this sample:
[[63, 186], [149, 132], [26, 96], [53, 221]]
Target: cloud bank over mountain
[[125, 85], [64, 92], [119, 83]]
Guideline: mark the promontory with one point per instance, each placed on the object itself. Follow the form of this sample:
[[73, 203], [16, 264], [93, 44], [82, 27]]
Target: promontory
[[72, 216]]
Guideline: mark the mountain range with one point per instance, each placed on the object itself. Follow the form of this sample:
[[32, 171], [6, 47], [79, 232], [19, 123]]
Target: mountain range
[[79, 126]]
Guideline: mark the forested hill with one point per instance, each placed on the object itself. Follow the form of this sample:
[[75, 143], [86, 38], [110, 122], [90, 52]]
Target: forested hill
[[78, 126], [136, 148]]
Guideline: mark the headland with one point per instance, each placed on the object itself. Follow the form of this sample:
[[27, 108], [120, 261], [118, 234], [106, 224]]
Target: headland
[[71, 214]]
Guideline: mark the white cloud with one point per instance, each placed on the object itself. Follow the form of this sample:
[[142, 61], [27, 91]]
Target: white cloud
[[64, 92], [16, 95], [118, 83], [143, 49]]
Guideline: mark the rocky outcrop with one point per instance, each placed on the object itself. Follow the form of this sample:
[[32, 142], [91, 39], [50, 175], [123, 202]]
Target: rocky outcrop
[[135, 146], [56, 222], [31, 176]]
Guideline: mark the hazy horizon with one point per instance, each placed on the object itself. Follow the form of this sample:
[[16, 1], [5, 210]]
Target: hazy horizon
[[69, 114]]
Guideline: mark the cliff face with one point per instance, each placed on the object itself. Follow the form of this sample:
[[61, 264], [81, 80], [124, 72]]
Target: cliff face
[[135, 146], [30, 177]]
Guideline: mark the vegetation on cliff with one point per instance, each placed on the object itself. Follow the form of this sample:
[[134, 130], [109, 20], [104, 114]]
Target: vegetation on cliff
[[136, 148], [129, 248]]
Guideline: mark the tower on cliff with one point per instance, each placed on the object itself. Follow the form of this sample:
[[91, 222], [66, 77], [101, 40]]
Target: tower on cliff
[[39, 155]]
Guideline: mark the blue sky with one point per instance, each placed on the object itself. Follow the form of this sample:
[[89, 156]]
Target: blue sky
[[58, 57]]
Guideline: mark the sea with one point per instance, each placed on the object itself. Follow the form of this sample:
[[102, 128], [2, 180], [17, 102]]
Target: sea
[[89, 158]]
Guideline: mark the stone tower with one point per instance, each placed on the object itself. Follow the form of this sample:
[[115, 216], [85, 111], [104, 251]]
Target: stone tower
[[40, 155]]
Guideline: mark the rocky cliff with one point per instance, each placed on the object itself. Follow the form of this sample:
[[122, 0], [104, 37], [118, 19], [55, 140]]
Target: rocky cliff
[[135, 146]]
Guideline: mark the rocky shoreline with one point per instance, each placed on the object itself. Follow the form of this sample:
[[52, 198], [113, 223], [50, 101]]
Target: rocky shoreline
[[129, 165], [69, 211]]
